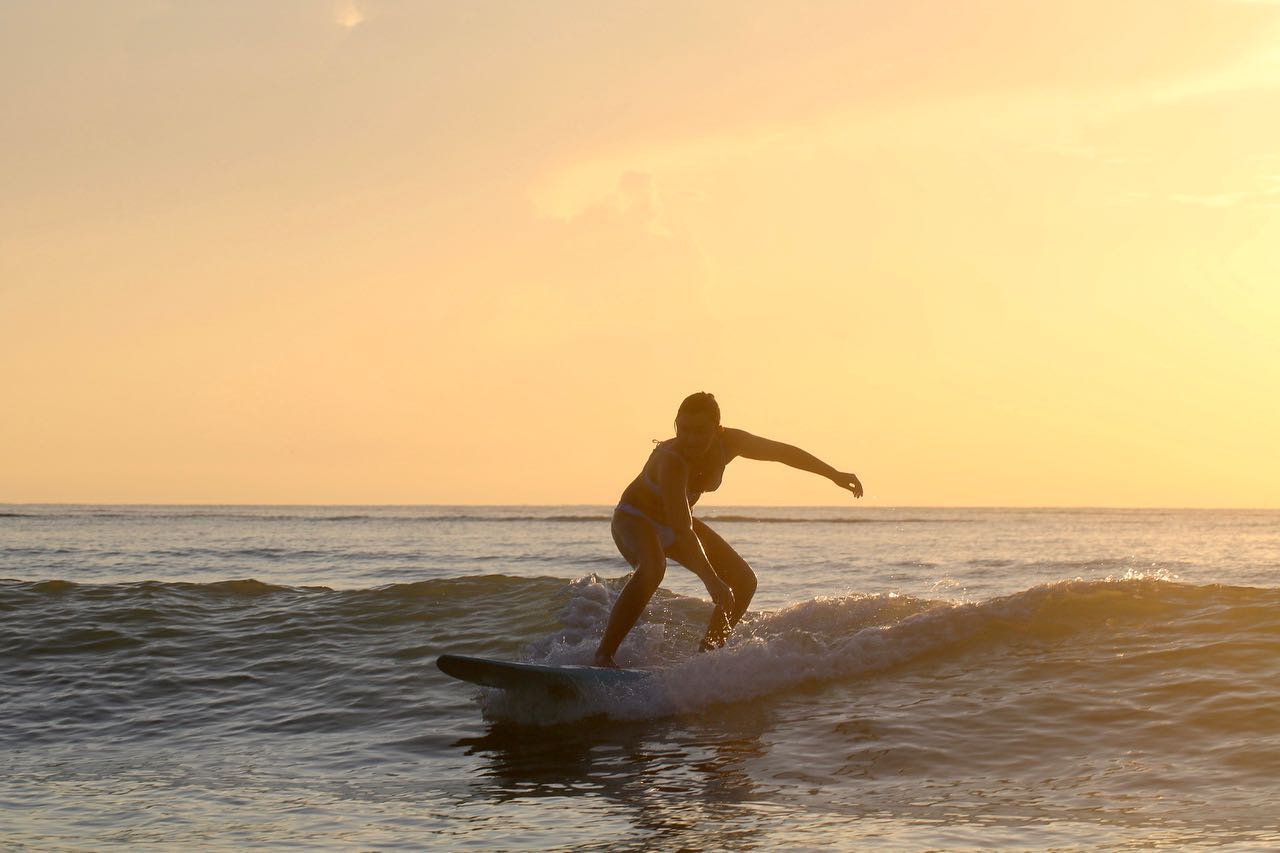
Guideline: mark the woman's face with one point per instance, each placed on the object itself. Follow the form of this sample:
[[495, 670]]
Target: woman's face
[[695, 432]]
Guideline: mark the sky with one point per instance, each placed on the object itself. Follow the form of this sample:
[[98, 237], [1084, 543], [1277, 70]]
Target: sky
[[979, 252]]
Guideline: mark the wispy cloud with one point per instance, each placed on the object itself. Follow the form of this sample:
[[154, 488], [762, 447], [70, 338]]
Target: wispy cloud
[[1259, 70], [634, 198], [1081, 151], [347, 15], [1268, 196]]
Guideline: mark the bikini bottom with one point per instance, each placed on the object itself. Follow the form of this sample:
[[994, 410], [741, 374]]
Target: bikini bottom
[[666, 535]]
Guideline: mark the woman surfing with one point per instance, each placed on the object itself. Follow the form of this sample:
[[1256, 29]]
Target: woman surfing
[[653, 521]]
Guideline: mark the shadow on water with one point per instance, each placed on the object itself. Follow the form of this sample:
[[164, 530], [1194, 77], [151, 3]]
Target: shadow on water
[[668, 779]]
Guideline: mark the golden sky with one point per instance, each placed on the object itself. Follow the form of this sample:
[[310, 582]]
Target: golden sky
[[980, 252]]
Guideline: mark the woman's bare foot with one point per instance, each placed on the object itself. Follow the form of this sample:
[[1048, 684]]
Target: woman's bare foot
[[604, 660]]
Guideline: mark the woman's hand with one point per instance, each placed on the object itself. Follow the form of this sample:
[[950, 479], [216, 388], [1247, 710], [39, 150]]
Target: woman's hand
[[848, 481], [721, 594]]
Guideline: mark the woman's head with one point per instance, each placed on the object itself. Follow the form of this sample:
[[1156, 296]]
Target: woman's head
[[698, 421]]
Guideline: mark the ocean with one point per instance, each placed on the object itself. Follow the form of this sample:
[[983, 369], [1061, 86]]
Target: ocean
[[246, 677]]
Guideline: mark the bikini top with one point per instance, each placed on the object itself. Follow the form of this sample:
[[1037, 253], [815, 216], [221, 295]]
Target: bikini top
[[705, 478]]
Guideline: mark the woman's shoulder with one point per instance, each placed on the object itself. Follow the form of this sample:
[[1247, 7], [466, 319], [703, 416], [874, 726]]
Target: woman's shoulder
[[666, 451], [731, 439]]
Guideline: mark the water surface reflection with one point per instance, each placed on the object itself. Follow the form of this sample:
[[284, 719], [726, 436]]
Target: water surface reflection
[[677, 781]]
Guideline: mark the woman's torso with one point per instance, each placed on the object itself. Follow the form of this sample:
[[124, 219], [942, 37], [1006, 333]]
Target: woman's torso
[[705, 475]]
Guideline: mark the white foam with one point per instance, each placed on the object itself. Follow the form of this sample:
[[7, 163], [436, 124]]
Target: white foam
[[823, 640], [814, 641], [582, 621]]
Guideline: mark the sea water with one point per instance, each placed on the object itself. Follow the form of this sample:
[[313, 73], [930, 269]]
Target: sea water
[[232, 677]]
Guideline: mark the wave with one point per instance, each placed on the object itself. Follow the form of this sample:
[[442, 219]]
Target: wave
[[1041, 608], [562, 518], [177, 515], [1139, 638], [764, 519], [1140, 627], [462, 589]]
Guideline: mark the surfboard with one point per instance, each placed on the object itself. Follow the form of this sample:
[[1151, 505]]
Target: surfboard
[[557, 680]]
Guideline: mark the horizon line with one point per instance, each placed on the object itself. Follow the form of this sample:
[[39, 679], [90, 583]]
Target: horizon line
[[608, 505]]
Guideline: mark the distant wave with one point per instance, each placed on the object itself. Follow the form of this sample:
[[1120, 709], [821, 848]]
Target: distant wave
[[176, 515], [464, 588], [166, 515], [593, 518], [141, 589], [764, 519]]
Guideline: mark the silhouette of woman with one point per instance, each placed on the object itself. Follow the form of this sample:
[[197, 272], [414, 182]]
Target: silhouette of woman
[[653, 520]]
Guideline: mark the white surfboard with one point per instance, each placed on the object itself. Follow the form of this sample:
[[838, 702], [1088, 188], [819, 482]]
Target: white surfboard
[[557, 680]]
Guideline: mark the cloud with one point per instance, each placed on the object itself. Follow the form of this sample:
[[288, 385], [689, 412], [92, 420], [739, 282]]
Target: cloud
[[1090, 153], [347, 15], [1258, 71], [629, 195], [1266, 197]]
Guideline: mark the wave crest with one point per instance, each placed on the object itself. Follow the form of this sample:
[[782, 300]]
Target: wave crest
[[830, 640]]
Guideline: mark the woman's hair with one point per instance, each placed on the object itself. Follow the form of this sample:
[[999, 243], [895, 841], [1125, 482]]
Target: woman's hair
[[701, 403]]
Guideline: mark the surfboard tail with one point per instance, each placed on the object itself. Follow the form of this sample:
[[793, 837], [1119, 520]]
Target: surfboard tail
[[510, 675]]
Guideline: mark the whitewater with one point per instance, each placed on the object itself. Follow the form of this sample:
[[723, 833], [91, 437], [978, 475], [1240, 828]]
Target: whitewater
[[239, 677]]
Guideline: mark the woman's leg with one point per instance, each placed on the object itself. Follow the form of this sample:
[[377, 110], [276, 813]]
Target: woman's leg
[[734, 571], [638, 542]]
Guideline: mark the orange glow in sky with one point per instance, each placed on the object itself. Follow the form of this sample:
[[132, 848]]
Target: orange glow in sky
[[987, 252]]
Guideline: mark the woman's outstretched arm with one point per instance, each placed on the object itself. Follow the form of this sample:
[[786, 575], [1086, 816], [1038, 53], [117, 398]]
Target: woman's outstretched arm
[[750, 446]]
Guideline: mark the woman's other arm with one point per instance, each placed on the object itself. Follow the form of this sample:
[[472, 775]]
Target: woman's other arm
[[751, 446]]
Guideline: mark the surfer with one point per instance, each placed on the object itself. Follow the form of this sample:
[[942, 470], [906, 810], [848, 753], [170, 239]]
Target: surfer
[[653, 521]]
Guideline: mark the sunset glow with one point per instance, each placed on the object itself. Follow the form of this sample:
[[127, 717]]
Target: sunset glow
[[981, 253]]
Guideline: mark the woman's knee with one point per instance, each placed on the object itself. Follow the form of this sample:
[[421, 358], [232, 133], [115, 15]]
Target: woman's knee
[[738, 575], [649, 573]]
